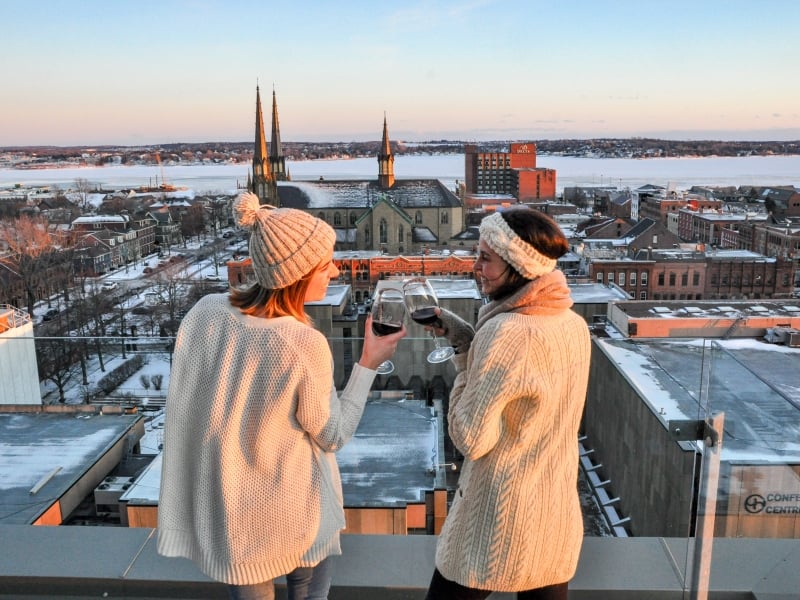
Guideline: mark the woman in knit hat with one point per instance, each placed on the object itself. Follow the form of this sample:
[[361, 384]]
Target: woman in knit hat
[[250, 488], [515, 524]]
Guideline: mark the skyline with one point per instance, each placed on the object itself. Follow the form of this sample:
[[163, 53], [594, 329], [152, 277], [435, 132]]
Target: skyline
[[181, 71]]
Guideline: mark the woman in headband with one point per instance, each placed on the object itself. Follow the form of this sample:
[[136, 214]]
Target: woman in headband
[[515, 524]]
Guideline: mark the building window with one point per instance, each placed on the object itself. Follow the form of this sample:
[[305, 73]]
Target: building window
[[400, 235], [621, 279], [418, 217], [633, 278], [672, 279], [642, 295], [352, 218], [599, 277], [382, 231], [685, 279], [444, 218], [695, 278], [611, 277], [661, 279], [644, 278], [337, 218]]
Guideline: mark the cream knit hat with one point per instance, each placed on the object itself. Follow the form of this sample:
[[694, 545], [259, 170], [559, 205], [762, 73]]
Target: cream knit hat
[[285, 244]]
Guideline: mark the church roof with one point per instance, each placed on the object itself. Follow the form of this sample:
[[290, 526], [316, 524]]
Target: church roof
[[423, 235], [361, 194]]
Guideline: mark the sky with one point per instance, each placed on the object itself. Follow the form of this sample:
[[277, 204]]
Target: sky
[[141, 72]]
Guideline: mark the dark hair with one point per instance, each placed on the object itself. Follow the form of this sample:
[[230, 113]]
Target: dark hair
[[541, 232]]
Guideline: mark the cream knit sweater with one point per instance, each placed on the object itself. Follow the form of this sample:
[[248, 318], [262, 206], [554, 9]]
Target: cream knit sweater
[[515, 408], [250, 487]]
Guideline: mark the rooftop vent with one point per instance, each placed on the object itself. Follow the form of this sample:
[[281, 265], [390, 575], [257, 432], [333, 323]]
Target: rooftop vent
[[108, 493], [786, 336]]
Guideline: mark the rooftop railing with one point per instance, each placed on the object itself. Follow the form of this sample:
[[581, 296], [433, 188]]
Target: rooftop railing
[[735, 536]]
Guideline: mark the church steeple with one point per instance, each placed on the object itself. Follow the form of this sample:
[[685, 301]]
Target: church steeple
[[385, 160], [277, 162], [263, 183]]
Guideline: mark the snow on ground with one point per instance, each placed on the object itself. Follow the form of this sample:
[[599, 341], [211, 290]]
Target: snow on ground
[[156, 361]]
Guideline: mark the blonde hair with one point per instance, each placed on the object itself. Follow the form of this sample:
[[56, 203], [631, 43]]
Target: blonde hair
[[289, 301]]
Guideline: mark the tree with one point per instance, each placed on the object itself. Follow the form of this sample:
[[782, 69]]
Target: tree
[[193, 222], [59, 362], [82, 188], [32, 254]]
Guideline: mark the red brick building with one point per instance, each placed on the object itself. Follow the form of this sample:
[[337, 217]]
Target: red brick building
[[633, 276], [513, 173], [363, 270]]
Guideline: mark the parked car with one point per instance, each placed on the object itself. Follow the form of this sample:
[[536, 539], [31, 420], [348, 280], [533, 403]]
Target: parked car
[[50, 314], [108, 286]]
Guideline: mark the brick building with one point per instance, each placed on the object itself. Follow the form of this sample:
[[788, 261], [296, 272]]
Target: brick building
[[513, 173], [698, 274]]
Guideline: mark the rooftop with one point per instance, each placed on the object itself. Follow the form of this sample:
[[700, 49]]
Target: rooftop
[[754, 383]]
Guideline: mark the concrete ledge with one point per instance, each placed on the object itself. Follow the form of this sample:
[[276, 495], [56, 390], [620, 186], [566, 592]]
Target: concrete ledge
[[76, 563]]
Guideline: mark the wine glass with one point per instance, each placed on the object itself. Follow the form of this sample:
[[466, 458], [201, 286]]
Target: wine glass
[[388, 313], [421, 303]]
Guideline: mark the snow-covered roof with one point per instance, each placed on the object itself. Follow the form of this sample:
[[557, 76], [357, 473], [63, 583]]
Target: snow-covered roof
[[754, 383], [34, 445], [362, 194]]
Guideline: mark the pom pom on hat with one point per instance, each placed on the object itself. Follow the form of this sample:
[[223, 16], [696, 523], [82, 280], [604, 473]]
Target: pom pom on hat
[[285, 243]]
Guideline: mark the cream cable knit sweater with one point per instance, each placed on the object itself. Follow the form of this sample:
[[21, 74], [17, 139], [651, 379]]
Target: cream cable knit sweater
[[250, 487], [515, 407]]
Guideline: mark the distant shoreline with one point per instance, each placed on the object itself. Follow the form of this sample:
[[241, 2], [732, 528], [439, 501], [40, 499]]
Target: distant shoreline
[[34, 157]]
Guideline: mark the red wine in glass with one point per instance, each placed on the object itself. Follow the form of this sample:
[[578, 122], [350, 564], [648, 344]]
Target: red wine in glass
[[422, 304], [388, 313], [425, 316], [385, 328]]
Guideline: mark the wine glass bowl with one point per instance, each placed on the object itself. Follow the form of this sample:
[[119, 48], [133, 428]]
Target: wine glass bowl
[[422, 303], [388, 314]]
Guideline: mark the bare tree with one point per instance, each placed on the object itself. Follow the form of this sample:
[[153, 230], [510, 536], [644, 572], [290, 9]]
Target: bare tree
[[58, 361], [193, 222], [82, 188], [32, 254]]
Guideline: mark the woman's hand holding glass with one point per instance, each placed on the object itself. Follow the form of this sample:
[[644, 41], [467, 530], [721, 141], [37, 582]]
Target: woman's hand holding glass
[[423, 307], [385, 328]]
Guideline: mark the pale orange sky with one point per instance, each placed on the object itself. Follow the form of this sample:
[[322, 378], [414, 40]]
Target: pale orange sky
[[147, 72]]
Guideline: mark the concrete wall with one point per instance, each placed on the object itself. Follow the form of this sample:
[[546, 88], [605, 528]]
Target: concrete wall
[[98, 562], [19, 373], [651, 473]]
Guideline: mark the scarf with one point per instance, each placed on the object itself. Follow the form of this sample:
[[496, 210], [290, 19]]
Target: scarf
[[545, 295]]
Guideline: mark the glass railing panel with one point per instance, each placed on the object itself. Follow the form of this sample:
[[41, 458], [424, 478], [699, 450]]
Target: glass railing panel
[[131, 373], [748, 483]]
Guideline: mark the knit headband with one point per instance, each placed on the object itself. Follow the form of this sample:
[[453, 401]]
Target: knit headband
[[529, 262]]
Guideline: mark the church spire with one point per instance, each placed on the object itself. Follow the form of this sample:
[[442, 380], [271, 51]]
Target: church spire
[[385, 159], [263, 183], [277, 162]]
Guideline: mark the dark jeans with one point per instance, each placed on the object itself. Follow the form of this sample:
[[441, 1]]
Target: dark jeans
[[304, 583], [444, 589]]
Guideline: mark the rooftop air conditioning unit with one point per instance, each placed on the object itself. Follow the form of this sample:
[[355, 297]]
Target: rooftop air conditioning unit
[[783, 335], [793, 338], [108, 493]]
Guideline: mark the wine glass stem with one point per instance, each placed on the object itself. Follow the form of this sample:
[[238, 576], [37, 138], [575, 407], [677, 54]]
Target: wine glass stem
[[435, 340]]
